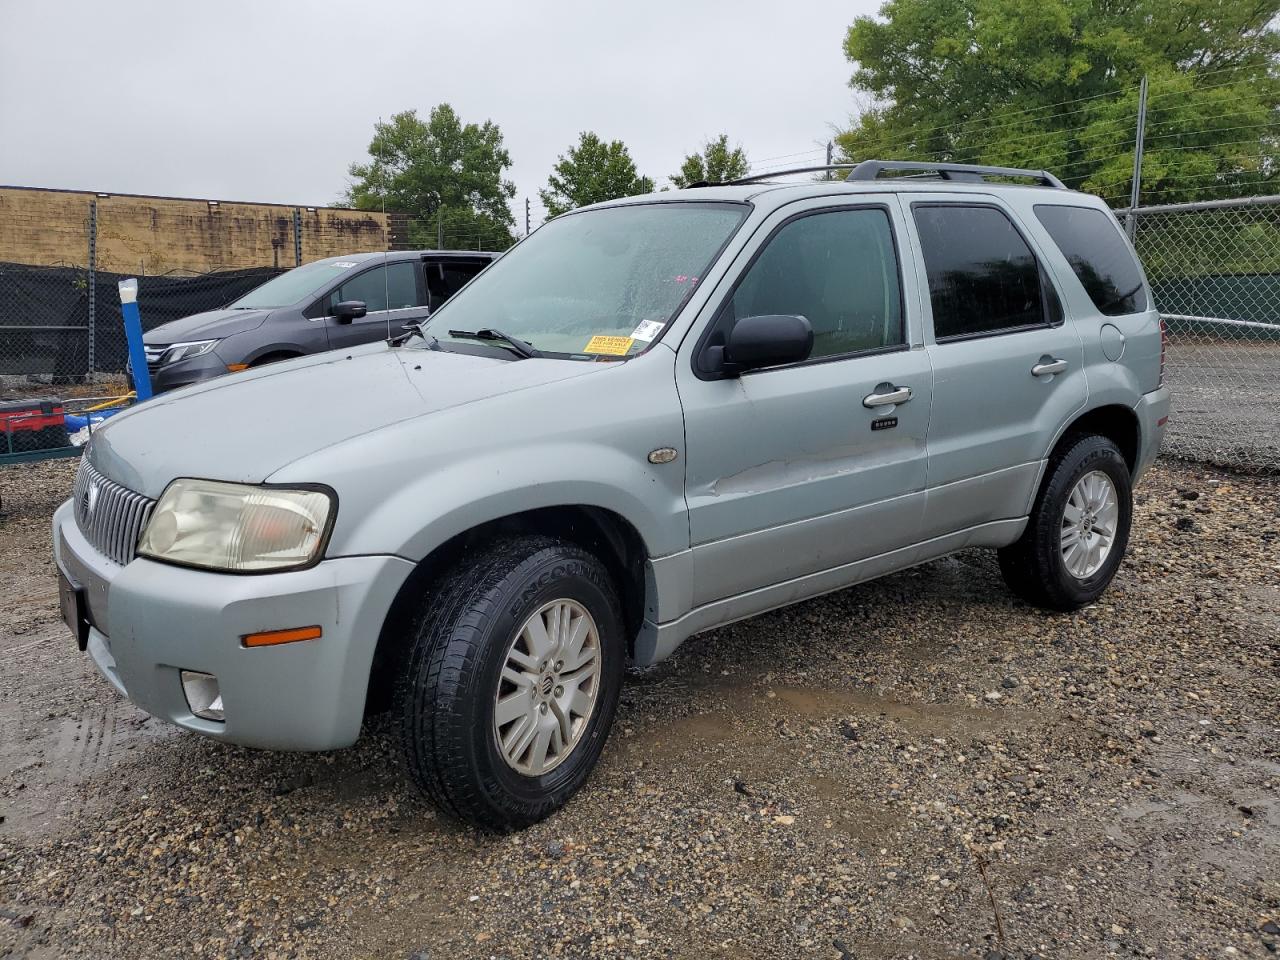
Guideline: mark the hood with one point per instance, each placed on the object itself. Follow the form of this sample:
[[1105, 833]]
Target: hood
[[246, 426], [210, 325]]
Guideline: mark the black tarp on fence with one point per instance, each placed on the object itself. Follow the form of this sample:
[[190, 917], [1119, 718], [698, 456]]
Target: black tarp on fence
[[45, 323]]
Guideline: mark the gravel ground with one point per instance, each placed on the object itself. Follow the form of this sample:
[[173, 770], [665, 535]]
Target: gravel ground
[[919, 767]]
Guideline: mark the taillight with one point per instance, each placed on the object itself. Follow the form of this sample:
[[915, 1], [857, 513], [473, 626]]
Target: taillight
[[1164, 342]]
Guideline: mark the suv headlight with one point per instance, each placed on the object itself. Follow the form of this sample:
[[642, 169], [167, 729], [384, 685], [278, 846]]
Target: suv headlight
[[185, 351], [237, 527]]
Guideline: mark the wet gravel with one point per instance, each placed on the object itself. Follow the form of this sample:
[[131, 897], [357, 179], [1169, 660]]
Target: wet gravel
[[919, 767]]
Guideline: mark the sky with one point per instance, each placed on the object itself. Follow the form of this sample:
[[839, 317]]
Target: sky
[[271, 100]]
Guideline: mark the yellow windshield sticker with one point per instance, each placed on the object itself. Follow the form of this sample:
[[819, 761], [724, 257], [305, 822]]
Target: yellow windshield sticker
[[612, 346]]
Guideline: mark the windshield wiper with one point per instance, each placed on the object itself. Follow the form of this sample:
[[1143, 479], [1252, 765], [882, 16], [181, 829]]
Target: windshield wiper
[[413, 328], [525, 349]]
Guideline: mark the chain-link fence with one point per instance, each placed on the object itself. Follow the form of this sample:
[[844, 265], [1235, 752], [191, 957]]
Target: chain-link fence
[[1214, 269], [62, 254]]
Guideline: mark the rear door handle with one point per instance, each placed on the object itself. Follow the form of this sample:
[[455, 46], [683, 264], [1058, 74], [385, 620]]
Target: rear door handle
[[891, 395], [1047, 367]]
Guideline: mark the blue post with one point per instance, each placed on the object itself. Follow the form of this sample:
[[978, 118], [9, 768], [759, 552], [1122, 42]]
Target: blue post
[[133, 333]]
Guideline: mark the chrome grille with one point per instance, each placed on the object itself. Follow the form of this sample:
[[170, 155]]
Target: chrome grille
[[110, 516]]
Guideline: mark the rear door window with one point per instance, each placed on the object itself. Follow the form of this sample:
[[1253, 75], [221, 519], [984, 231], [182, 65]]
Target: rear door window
[[402, 286], [983, 278], [1102, 261]]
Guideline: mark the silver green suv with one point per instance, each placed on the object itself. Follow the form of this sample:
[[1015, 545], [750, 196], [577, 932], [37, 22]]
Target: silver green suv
[[651, 417]]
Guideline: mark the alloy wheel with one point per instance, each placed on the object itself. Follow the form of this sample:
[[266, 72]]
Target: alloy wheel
[[548, 687]]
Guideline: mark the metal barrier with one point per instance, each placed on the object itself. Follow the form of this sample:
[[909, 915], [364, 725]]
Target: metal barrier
[[1214, 269]]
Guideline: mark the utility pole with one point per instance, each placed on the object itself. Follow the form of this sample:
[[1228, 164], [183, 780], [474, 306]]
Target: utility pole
[[526, 216], [1136, 189], [440, 228], [829, 158]]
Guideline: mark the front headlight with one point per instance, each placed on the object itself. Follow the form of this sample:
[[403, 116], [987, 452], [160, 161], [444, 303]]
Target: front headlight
[[237, 527], [185, 351]]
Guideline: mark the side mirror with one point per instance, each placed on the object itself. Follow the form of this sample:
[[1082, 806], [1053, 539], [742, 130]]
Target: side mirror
[[766, 341], [349, 310]]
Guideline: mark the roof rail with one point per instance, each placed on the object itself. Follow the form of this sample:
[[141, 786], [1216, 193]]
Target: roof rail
[[755, 177], [871, 170]]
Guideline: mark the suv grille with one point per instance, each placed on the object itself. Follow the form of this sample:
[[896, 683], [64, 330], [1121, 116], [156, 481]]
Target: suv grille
[[110, 516]]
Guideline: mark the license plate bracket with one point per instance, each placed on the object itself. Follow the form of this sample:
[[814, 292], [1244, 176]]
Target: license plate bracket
[[74, 607]]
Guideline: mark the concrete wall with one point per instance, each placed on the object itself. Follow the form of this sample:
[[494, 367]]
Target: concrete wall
[[155, 235]]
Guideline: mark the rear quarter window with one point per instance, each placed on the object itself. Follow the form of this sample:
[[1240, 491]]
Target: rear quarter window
[[1101, 260]]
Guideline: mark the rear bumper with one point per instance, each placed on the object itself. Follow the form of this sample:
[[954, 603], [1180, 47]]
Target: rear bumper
[[153, 620], [1153, 416]]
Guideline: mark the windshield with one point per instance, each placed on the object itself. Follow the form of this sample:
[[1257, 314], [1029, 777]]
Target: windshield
[[298, 284], [598, 283]]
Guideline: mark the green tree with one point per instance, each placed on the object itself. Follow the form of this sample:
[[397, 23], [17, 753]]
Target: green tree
[[1054, 84], [590, 172], [446, 175], [715, 164]]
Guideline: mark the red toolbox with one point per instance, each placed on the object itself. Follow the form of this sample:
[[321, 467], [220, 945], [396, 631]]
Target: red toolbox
[[38, 424]]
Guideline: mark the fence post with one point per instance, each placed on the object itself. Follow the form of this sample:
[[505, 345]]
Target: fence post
[[93, 284], [297, 237], [1136, 188]]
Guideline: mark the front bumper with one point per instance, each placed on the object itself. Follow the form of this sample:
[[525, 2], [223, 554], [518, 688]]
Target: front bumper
[[1153, 416], [171, 376], [153, 620]]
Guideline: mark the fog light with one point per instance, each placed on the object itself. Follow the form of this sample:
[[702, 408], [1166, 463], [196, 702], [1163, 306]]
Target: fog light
[[203, 696]]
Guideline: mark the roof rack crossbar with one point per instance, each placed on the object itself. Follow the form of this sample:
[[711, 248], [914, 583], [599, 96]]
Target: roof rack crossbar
[[871, 170]]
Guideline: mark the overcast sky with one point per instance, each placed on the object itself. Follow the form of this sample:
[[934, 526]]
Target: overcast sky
[[270, 100]]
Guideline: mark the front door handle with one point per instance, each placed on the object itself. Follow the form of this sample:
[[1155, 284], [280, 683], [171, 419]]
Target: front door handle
[[1046, 367], [890, 395]]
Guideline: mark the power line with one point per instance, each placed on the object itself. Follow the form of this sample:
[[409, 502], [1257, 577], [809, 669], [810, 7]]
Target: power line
[[1235, 113], [787, 156], [991, 128], [1194, 88], [997, 120]]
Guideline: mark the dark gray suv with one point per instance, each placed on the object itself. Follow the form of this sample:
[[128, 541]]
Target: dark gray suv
[[324, 305]]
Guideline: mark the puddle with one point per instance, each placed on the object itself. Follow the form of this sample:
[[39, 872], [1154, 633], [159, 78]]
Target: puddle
[[866, 824], [41, 768]]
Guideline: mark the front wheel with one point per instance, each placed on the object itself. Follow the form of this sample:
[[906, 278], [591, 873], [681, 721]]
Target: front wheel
[[1078, 529], [512, 682]]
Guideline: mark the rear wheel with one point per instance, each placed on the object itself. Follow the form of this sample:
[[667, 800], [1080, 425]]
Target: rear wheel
[[512, 682], [1078, 530]]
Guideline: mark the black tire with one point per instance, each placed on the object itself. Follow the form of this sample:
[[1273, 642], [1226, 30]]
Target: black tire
[[1033, 566], [459, 642]]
